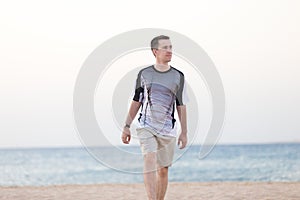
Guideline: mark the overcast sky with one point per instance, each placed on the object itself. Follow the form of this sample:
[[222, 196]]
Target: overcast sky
[[255, 46]]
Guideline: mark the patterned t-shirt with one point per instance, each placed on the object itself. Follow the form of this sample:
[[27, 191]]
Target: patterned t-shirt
[[159, 92]]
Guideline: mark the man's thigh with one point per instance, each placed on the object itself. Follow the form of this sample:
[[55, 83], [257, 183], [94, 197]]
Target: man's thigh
[[165, 150], [147, 140]]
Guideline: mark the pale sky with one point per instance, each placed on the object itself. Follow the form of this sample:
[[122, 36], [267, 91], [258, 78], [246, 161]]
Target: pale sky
[[255, 45]]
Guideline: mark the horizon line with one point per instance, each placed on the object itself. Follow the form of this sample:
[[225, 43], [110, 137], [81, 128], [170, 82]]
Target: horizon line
[[135, 145]]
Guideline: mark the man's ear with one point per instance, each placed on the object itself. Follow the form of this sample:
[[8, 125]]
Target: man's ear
[[154, 52]]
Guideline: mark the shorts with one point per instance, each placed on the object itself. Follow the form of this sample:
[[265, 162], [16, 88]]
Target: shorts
[[164, 146]]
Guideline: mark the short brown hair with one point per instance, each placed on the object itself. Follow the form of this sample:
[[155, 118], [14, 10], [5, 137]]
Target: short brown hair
[[154, 41]]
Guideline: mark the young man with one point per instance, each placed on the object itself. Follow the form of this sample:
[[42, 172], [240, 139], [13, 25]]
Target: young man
[[159, 88]]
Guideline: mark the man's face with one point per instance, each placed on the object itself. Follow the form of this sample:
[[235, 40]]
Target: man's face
[[164, 51]]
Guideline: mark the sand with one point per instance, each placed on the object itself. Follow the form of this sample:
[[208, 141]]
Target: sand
[[182, 191]]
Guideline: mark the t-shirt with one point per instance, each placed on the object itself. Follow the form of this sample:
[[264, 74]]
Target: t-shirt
[[159, 92]]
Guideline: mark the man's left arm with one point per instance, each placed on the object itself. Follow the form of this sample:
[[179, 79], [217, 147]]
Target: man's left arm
[[182, 140]]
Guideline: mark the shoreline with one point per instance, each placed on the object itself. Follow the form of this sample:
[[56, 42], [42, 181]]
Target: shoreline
[[176, 190]]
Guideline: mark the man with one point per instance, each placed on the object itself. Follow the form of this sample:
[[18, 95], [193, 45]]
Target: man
[[158, 89]]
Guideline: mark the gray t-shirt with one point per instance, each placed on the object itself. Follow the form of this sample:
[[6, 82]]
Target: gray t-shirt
[[159, 92]]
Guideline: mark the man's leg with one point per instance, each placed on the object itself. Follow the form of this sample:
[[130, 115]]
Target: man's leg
[[164, 155], [162, 182], [150, 175], [149, 147]]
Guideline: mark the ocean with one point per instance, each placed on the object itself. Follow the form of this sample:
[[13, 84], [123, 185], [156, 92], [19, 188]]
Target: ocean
[[56, 166]]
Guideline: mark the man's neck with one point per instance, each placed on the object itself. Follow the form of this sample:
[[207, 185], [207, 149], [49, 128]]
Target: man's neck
[[162, 66]]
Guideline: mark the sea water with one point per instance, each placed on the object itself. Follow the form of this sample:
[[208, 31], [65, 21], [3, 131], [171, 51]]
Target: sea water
[[55, 166]]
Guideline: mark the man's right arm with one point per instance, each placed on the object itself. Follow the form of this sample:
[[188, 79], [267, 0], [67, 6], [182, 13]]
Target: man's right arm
[[133, 110]]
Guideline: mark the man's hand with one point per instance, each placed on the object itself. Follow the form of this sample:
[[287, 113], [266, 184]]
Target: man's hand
[[182, 140], [126, 136]]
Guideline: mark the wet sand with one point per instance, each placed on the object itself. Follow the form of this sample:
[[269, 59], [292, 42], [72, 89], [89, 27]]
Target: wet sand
[[182, 191]]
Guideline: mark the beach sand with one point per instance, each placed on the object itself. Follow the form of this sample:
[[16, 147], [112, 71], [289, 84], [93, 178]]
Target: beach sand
[[182, 191]]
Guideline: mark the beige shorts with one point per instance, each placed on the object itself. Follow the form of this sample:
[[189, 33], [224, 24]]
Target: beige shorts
[[164, 146]]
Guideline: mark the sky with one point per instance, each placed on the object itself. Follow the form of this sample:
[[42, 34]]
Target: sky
[[254, 45]]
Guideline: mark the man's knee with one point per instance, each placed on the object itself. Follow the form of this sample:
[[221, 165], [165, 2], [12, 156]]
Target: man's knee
[[150, 162], [163, 171]]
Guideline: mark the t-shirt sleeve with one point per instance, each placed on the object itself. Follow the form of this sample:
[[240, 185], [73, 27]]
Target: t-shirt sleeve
[[139, 89], [181, 95]]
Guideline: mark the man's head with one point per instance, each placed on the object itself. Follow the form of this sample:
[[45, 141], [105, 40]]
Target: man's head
[[162, 48]]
